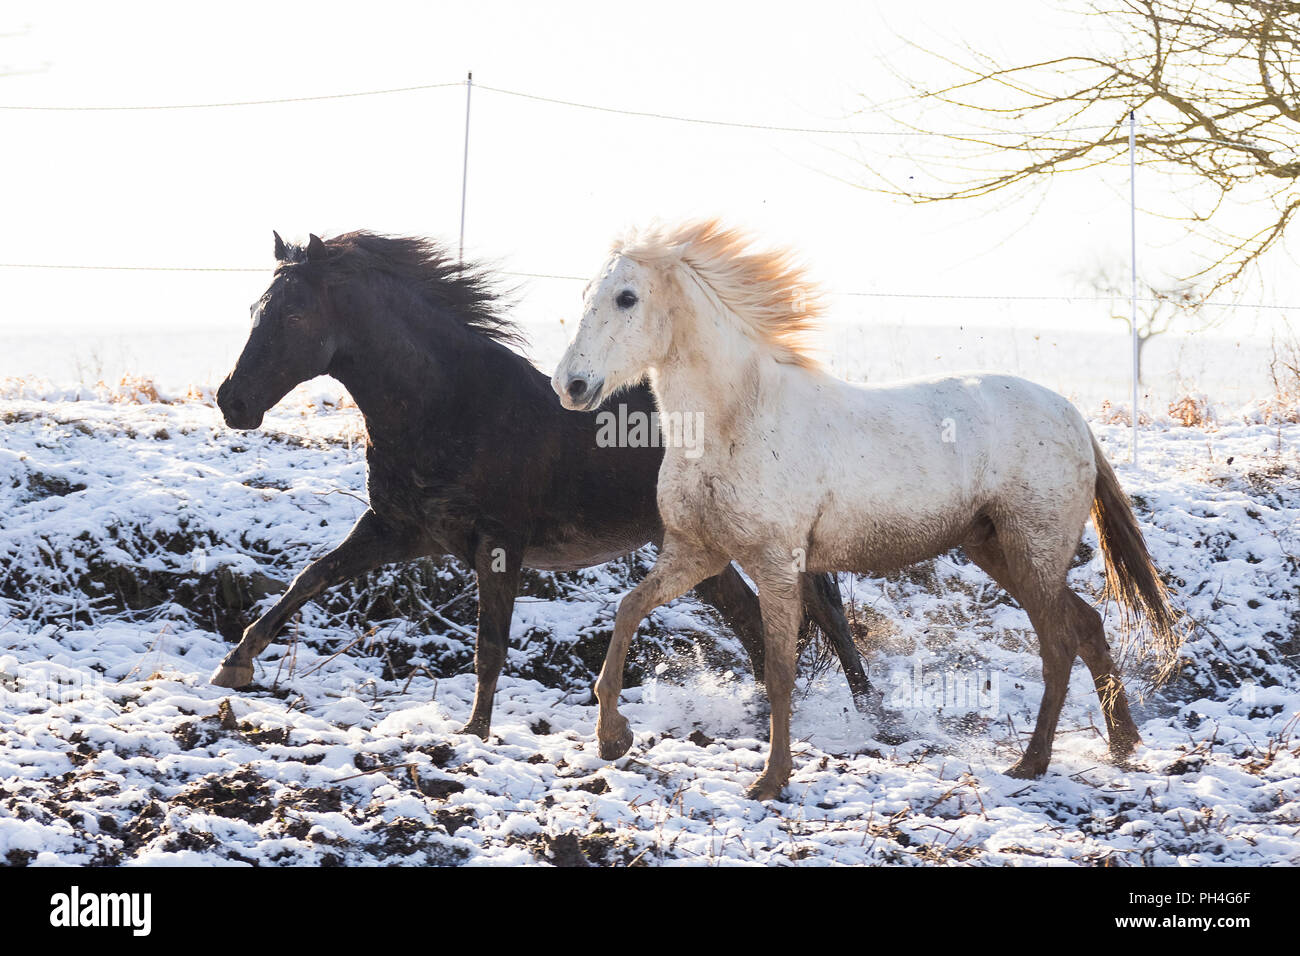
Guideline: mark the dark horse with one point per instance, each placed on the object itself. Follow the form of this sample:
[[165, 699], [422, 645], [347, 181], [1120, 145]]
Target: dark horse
[[469, 453]]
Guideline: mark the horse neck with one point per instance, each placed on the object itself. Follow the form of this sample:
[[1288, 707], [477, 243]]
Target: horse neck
[[713, 369], [394, 376]]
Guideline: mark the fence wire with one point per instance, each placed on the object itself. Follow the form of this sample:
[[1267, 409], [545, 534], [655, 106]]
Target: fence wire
[[573, 104]]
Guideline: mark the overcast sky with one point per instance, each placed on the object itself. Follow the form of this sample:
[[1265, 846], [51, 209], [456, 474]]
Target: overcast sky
[[549, 186]]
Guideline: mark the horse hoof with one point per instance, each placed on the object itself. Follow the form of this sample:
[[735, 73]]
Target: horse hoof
[[1022, 769], [1121, 748], [871, 703], [764, 790], [615, 748], [891, 727], [232, 675]]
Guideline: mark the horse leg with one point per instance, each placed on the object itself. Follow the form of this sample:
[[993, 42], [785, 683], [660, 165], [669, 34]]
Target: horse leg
[[497, 568], [1094, 650], [1057, 645], [824, 605], [369, 544], [1006, 559], [738, 605], [680, 566], [778, 594]]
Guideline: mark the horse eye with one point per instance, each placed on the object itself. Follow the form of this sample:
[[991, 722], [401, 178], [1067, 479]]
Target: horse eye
[[626, 299]]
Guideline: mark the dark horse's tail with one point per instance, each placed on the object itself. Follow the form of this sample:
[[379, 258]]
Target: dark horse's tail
[[1131, 577]]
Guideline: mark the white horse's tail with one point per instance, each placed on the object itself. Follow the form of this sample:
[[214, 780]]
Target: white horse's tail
[[1131, 577]]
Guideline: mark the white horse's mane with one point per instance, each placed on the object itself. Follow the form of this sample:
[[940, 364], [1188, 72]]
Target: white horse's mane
[[768, 291]]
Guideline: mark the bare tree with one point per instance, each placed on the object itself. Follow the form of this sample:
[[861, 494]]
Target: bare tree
[[1215, 83], [1160, 308]]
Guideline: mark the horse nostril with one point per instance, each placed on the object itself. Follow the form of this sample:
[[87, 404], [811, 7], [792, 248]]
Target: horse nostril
[[233, 407], [577, 388]]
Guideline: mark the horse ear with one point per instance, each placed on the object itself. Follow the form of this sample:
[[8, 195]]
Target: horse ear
[[281, 251], [315, 248]]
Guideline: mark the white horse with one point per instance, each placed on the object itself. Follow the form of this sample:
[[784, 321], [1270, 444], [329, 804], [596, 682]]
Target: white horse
[[803, 471]]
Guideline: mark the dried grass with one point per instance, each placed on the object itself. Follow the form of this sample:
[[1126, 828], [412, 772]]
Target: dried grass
[[1110, 414], [1192, 411], [1283, 406], [133, 390]]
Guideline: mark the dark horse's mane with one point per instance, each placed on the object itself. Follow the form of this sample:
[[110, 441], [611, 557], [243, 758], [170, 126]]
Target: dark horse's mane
[[465, 290]]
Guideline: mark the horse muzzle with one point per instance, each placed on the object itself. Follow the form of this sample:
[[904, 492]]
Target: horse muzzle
[[236, 410], [579, 394]]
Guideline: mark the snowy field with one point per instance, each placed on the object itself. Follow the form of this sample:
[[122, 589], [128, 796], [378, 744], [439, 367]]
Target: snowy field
[[137, 537]]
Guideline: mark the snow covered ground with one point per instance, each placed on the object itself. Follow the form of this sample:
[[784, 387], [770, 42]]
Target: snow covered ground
[[137, 537]]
